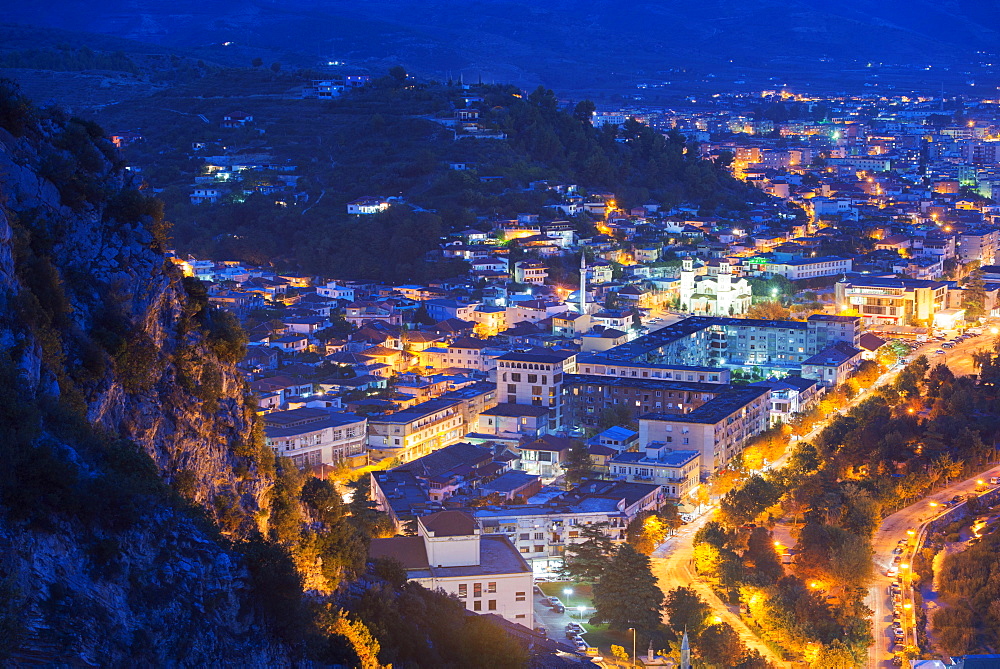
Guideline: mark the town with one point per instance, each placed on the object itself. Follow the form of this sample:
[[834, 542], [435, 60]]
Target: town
[[605, 373]]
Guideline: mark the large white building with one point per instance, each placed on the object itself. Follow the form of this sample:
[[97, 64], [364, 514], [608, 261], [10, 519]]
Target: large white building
[[721, 294], [313, 436], [451, 552]]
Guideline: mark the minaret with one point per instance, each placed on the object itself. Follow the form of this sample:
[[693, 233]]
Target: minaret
[[583, 284], [685, 651]]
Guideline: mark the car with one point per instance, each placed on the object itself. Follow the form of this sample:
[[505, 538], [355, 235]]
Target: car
[[898, 550], [892, 571], [554, 601], [538, 591], [897, 559], [576, 627], [559, 608], [956, 499], [995, 480], [898, 633], [896, 661], [939, 352]]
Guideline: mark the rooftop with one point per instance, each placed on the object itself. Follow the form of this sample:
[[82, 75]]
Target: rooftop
[[714, 410], [450, 524]]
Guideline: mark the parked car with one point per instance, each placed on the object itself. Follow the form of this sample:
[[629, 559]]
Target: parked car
[[554, 601], [898, 550], [559, 608]]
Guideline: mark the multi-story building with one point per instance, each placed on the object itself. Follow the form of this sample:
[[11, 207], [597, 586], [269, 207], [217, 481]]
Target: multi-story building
[[535, 378], [451, 552], [312, 437], [794, 269], [718, 429], [542, 532], [891, 300], [530, 271], [587, 396], [699, 341], [980, 244], [414, 432], [677, 471], [469, 353]]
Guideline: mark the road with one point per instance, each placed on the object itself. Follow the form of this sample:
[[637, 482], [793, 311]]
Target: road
[[887, 537], [672, 565]]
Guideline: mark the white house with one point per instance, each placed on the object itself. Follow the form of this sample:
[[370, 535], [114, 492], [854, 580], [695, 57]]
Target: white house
[[367, 206], [203, 195]]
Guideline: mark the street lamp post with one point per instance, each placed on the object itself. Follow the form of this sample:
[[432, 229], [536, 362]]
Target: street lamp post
[[632, 629], [567, 592]]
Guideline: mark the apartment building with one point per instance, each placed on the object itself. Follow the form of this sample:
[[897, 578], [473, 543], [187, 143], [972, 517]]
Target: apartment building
[[414, 432], [677, 471], [535, 378], [314, 436], [587, 396], [718, 429]]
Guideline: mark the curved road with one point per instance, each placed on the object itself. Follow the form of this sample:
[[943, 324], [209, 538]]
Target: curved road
[[672, 561], [893, 529]]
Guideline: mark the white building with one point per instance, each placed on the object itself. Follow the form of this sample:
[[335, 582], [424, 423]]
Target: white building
[[313, 437], [450, 552], [367, 206], [708, 295], [203, 195], [335, 291]]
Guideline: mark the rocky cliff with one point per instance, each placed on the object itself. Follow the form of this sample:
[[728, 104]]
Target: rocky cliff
[[129, 456]]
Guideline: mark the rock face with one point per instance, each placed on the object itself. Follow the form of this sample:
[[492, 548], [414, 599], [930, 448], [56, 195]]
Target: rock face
[[97, 322]]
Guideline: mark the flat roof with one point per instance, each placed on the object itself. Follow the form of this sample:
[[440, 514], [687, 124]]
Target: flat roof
[[667, 456], [646, 383], [715, 409], [418, 411]]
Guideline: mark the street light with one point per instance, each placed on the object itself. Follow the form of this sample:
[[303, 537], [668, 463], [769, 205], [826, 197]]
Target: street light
[[568, 592], [632, 629], [581, 610]]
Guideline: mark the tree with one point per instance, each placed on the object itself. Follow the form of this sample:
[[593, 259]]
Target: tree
[[626, 595], [578, 464], [276, 67], [974, 296], [584, 111], [686, 610], [646, 532], [257, 62], [398, 72], [769, 310], [720, 645], [586, 560]]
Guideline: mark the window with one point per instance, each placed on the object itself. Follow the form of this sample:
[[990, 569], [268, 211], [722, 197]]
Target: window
[[463, 590], [524, 536], [491, 587], [477, 589], [492, 605], [532, 378], [538, 537], [519, 596], [477, 605], [515, 377]]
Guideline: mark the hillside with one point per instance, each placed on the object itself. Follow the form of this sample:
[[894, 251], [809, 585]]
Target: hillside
[[393, 138], [577, 46], [143, 522]]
